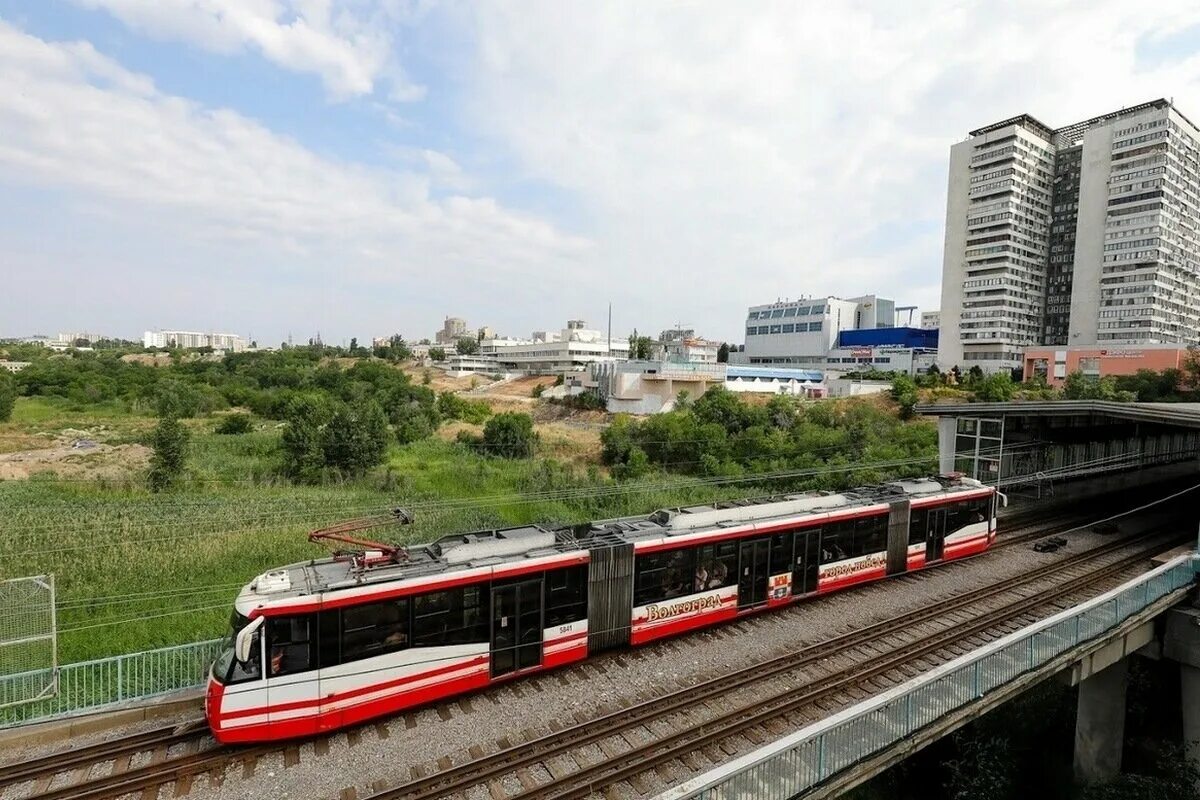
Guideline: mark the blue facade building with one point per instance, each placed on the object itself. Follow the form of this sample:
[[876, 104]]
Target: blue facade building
[[916, 338]]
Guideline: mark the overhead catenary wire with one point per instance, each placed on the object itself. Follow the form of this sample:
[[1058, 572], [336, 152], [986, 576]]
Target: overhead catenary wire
[[441, 659]]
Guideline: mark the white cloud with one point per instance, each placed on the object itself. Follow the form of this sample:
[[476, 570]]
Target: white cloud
[[730, 153], [76, 122], [347, 44]]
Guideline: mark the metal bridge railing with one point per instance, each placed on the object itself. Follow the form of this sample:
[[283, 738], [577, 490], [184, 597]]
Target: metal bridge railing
[[810, 756], [88, 686]]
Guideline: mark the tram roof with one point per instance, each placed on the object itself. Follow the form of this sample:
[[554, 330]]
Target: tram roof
[[531, 543], [1185, 415]]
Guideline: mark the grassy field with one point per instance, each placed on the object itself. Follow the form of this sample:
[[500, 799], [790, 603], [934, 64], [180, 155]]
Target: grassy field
[[136, 570]]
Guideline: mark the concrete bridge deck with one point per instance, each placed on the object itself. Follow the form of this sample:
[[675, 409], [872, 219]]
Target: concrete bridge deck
[[1087, 642]]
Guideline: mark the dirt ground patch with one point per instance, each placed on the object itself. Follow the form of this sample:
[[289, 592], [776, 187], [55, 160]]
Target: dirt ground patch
[[439, 381], [562, 440], [570, 443], [79, 458], [518, 388]]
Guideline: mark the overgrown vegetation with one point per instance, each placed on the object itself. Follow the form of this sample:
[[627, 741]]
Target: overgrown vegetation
[[720, 434], [8, 395]]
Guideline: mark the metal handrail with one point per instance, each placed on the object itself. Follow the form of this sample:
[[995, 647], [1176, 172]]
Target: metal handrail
[[810, 756]]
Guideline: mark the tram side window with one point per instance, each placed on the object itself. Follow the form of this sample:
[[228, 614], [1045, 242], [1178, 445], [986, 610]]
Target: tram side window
[[453, 616], [967, 512], [566, 595], [837, 541], [917, 523], [661, 576], [870, 535], [716, 566], [781, 553], [288, 645], [374, 629]]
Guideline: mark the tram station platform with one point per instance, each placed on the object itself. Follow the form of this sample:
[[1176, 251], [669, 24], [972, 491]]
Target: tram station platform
[[1045, 448]]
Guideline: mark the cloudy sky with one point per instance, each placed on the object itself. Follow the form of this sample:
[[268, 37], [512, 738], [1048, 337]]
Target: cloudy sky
[[368, 166]]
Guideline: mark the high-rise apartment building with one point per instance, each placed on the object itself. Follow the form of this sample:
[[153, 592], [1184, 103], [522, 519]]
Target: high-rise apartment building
[[1082, 235]]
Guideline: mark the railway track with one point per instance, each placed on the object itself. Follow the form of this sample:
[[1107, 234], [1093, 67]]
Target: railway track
[[197, 754], [694, 736]]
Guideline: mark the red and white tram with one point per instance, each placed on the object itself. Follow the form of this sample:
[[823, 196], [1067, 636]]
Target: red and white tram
[[331, 642]]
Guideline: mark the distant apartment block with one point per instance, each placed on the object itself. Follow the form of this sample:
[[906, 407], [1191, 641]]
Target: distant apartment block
[[931, 320], [1084, 235], [453, 329], [191, 340]]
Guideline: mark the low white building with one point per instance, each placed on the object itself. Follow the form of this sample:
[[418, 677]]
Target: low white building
[[648, 387], [191, 340], [846, 387], [570, 350], [775, 380], [14, 366], [887, 358]]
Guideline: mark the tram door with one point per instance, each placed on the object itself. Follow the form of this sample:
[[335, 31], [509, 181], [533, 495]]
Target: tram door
[[808, 562], [752, 583], [935, 535], [516, 626]]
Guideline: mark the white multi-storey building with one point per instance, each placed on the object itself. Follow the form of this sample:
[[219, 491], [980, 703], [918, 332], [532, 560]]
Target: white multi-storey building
[[931, 320], [190, 340], [1083, 235], [682, 345], [804, 331]]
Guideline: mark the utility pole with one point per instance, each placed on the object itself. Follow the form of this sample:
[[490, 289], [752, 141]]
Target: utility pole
[[609, 329]]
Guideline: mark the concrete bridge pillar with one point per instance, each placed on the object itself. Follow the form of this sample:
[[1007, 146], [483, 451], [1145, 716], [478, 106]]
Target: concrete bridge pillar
[[1100, 724], [1182, 643], [947, 433]]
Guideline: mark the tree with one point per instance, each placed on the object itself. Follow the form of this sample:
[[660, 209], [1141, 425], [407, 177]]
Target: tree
[[723, 353], [509, 435], [169, 442], [301, 443], [8, 395], [467, 346], [1078, 386], [437, 353], [355, 438], [411, 423], [639, 346], [353, 345], [995, 388], [904, 392]]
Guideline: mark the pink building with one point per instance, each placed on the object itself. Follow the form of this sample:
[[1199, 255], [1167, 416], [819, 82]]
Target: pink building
[[1056, 363]]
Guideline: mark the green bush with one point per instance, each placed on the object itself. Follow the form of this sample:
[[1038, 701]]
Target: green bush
[[452, 406], [169, 442], [235, 425], [355, 438], [509, 435]]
